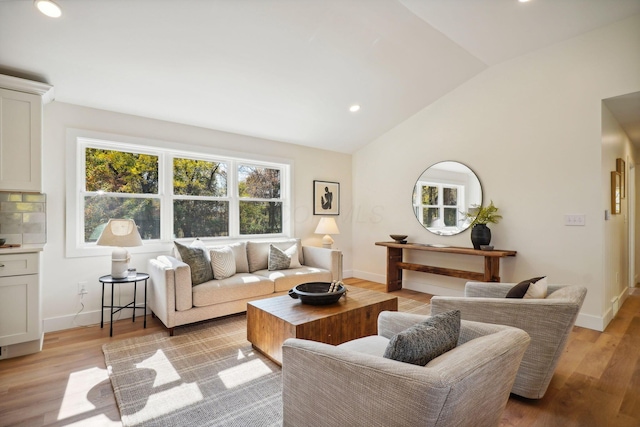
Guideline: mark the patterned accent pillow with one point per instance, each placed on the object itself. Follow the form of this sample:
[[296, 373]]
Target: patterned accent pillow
[[197, 259], [519, 290], [223, 262], [278, 259], [424, 341], [197, 243]]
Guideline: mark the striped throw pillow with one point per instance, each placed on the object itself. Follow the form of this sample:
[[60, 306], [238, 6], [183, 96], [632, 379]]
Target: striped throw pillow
[[223, 262]]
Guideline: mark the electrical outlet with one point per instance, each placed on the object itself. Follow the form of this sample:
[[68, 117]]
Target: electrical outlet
[[82, 288]]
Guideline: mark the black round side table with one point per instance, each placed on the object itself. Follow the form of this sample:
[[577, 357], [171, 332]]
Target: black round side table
[[108, 279]]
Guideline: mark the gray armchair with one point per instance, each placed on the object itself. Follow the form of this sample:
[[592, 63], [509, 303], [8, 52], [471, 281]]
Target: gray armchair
[[548, 322], [353, 385]]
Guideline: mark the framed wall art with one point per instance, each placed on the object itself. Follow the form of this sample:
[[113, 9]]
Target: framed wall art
[[326, 198], [615, 193], [620, 168]]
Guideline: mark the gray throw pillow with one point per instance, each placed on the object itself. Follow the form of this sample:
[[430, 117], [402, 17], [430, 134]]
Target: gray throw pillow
[[197, 260], [424, 341], [278, 259]]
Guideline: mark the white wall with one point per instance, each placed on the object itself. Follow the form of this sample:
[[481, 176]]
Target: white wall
[[531, 130], [61, 275], [615, 145]]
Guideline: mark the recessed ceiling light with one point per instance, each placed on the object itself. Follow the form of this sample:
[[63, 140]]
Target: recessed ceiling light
[[49, 8], [354, 108], [523, 1]]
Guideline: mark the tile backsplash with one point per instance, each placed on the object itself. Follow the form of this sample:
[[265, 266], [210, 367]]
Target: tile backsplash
[[23, 218]]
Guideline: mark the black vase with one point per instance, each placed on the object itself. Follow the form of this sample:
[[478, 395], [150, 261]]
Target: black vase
[[480, 235]]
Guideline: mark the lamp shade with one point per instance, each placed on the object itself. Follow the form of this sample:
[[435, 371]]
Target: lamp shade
[[327, 226], [121, 233]]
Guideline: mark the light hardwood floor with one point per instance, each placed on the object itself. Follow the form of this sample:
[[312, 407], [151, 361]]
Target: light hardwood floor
[[597, 382]]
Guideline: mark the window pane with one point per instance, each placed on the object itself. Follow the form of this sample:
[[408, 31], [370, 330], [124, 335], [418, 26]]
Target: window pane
[[200, 218], [258, 182], [260, 217], [199, 178], [119, 172], [429, 216], [450, 217], [450, 196], [429, 195], [98, 210]]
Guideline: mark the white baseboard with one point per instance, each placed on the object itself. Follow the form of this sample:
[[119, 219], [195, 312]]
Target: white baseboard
[[86, 318], [378, 278], [347, 274], [432, 289], [593, 322]]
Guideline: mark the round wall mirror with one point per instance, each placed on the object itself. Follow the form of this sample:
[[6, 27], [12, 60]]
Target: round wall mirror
[[442, 195]]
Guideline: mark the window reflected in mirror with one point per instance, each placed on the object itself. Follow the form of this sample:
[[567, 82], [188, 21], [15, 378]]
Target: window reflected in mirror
[[442, 195]]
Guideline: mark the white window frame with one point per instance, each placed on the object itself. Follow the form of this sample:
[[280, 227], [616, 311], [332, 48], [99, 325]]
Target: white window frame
[[79, 140], [419, 206]]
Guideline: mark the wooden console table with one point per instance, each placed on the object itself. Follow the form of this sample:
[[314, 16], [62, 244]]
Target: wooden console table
[[395, 263]]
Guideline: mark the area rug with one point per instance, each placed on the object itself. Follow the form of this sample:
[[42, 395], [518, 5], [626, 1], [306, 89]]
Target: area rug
[[206, 375]]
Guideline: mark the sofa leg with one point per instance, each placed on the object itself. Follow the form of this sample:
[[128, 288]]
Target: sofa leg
[[170, 332]]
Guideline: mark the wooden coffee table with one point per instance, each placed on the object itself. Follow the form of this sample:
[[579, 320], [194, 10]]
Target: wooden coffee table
[[271, 321]]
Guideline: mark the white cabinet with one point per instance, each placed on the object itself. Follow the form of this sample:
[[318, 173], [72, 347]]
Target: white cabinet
[[21, 133], [20, 318]]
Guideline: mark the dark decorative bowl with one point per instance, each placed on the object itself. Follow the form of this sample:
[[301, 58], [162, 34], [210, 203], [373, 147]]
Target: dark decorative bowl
[[399, 238], [2, 241], [316, 293]]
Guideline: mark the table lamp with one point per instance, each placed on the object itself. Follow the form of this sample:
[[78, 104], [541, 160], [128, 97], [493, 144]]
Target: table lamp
[[327, 226], [120, 233]]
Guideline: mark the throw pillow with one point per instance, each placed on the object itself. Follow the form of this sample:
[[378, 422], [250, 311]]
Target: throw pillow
[[278, 259], [519, 290], [537, 289], [424, 341], [197, 243], [197, 260], [292, 253], [223, 262]]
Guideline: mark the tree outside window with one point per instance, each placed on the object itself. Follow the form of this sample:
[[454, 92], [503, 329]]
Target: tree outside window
[[197, 192]]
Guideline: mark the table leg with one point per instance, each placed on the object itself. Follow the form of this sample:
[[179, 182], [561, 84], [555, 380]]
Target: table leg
[[394, 273], [111, 325], [102, 308], [491, 269], [134, 300], [145, 303]]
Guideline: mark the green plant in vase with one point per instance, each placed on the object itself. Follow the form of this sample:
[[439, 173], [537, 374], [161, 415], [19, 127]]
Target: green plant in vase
[[481, 216]]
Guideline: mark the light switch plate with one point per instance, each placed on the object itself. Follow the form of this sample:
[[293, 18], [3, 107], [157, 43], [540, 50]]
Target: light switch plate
[[575, 219]]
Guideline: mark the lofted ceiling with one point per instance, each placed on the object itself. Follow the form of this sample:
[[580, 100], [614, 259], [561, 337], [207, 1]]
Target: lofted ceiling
[[286, 70]]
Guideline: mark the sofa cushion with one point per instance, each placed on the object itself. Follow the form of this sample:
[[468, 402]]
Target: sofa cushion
[[426, 340], [223, 262], [258, 252], [519, 290], [373, 345], [200, 265], [287, 279], [236, 287]]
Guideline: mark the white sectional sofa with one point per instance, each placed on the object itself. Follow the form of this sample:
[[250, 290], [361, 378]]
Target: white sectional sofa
[[174, 300]]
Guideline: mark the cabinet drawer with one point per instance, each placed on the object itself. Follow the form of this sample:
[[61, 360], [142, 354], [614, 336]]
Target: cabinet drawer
[[18, 264]]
